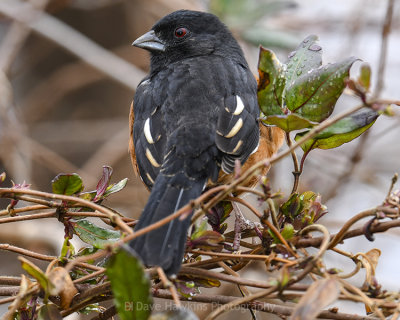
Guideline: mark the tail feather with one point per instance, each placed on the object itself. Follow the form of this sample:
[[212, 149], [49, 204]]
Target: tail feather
[[165, 246]]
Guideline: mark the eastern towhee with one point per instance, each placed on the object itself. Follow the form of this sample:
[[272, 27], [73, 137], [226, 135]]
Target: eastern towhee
[[192, 117]]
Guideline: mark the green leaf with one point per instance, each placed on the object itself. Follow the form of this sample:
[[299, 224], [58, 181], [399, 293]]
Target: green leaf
[[38, 274], [67, 184], [199, 230], [96, 236], [67, 250], [293, 206], [130, 286], [271, 83], [288, 231], [342, 131], [307, 56], [289, 123], [49, 312], [364, 78], [115, 187], [314, 94]]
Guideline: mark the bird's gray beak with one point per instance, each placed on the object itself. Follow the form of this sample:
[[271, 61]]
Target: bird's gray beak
[[149, 41]]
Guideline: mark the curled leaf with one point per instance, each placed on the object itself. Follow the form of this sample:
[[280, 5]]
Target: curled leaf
[[271, 82], [289, 122], [62, 285]]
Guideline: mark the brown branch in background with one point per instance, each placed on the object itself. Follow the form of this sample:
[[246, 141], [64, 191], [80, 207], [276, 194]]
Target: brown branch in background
[[15, 39], [73, 41]]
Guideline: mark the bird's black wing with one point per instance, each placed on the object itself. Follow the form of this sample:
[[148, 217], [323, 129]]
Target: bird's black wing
[[237, 126], [148, 134]]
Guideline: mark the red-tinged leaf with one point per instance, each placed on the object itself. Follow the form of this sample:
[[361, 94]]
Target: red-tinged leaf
[[103, 183], [318, 296], [208, 240], [271, 82]]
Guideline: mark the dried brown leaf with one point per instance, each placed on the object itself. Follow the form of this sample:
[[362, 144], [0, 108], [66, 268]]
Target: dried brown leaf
[[63, 286], [319, 295]]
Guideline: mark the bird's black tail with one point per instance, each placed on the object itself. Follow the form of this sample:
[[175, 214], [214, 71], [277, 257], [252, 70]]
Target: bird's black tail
[[165, 246]]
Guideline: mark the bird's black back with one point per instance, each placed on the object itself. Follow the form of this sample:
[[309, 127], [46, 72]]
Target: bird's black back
[[195, 113]]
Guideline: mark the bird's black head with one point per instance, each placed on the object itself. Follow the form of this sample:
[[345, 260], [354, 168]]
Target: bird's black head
[[183, 34]]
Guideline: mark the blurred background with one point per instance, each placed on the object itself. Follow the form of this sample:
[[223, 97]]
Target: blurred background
[[68, 74]]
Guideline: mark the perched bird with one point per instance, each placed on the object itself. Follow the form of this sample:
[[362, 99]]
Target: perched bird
[[192, 117]]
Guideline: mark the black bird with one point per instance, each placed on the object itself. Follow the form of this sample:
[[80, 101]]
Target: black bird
[[194, 114]]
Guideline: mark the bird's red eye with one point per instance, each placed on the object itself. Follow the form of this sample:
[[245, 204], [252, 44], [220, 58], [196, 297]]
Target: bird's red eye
[[180, 32]]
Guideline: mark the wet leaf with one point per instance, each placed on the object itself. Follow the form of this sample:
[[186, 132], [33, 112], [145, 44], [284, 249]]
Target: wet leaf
[[96, 236], [62, 285], [49, 312], [187, 288], [130, 285], [320, 294], [341, 132], [313, 95], [289, 122], [38, 274], [271, 82], [307, 56], [67, 184]]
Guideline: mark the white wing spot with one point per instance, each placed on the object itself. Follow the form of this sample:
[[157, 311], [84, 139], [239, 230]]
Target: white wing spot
[[147, 132], [150, 157], [237, 146], [239, 106], [238, 125]]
